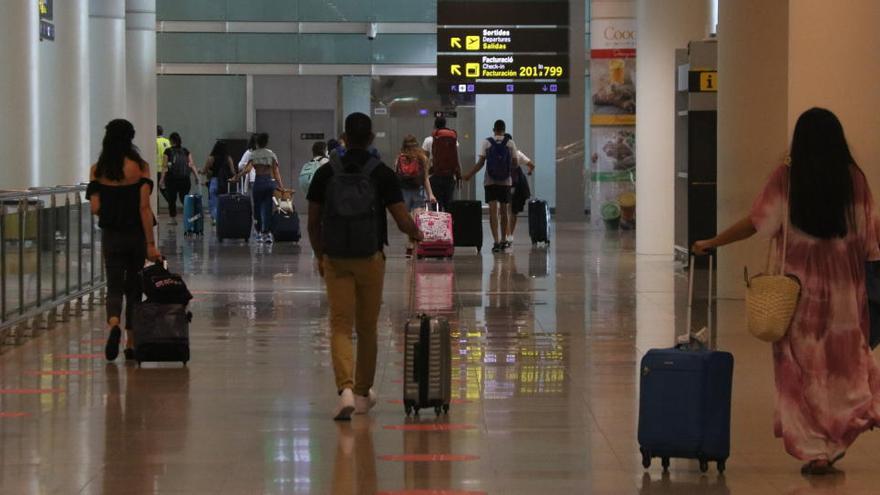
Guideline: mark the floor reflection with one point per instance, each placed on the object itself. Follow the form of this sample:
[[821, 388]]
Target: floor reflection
[[354, 468]]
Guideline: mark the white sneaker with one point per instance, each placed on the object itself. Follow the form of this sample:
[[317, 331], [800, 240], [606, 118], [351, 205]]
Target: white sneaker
[[345, 406], [362, 405], [267, 238], [259, 237]]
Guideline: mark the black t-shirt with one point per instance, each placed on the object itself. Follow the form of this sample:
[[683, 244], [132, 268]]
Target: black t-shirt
[[384, 179]]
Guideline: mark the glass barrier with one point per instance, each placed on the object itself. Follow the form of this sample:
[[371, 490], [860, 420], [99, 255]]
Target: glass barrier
[[50, 259]]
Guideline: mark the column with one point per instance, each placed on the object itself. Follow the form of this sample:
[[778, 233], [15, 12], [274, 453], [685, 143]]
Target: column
[[19, 37], [570, 123], [662, 27], [752, 120], [545, 149], [106, 67], [140, 73], [70, 154], [356, 95], [833, 63]]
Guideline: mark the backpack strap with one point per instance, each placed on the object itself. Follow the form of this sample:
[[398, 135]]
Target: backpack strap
[[370, 166], [336, 163]]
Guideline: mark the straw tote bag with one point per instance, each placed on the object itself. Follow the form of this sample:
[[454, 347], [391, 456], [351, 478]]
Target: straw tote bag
[[772, 296]]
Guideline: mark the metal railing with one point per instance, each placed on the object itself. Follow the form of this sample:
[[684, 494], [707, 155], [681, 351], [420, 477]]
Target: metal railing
[[51, 268]]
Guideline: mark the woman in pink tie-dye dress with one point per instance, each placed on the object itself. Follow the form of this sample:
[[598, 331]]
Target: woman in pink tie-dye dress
[[827, 382]]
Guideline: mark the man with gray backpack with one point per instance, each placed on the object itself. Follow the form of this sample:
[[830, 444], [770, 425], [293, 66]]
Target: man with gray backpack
[[348, 231]]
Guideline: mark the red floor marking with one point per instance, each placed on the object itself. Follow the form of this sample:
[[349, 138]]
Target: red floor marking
[[79, 356], [432, 492], [430, 427], [13, 414], [30, 391], [397, 381], [57, 373], [429, 457], [454, 401]]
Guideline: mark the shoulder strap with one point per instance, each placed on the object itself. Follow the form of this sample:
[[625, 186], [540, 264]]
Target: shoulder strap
[[370, 166], [491, 141], [506, 139], [336, 163]]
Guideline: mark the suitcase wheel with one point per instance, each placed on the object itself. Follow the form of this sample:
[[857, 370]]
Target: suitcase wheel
[[646, 459], [415, 411], [408, 409], [665, 463], [438, 410], [722, 466], [704, 465], [445, 408]]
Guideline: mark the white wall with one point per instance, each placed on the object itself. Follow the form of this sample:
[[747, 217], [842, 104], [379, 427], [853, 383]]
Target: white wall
[[833, 62]]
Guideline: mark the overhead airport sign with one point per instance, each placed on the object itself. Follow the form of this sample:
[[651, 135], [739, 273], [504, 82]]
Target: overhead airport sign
[[552, 40], [520, 48]]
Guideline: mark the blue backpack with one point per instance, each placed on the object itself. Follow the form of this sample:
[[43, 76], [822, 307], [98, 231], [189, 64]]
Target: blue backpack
[[498, 159]]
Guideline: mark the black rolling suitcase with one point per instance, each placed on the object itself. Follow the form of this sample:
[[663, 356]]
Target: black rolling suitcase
[[285, 226], [685, 398], [161, 323], [427, 380], [234, 217], [467, 223], [539, 221]]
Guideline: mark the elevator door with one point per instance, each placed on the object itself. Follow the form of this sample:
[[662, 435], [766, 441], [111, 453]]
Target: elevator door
[[291, 136]]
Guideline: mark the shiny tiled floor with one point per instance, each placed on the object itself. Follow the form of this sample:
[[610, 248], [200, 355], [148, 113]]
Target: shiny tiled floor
[[544, 376]]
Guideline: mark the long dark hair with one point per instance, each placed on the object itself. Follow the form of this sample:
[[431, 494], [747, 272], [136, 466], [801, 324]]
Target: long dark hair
[[116, 147], [220, 153], [821, 181]]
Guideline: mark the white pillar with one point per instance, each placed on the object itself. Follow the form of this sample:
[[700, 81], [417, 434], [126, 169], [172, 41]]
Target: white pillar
[[833, 63], [140, 74], [752, 129], [70, 152], [662, 28], [19, 36], [106, 67]]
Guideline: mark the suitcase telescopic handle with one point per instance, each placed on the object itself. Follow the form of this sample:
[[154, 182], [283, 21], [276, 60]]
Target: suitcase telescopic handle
[[691, 269]]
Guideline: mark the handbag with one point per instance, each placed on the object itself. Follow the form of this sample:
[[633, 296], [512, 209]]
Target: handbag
[[772, 297]]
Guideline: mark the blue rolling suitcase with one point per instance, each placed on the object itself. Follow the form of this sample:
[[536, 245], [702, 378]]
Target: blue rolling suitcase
[[684, 407], [193, 216]]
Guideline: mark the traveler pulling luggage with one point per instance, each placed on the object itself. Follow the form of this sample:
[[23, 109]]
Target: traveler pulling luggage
[[161, 323], [193, 215], [285, 220], [234, 217], [684, 406], [467, 223], [436, 227], [539, 222]]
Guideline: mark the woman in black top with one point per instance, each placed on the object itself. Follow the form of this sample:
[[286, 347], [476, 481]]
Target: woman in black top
[[119, 194], [218, 170]]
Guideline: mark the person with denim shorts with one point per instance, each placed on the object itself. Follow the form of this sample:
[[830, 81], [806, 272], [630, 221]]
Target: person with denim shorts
[[412, 172]]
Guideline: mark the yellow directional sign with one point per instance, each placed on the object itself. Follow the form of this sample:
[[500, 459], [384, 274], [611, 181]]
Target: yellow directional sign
[[455, 70], [455, 42], [472, 43], [472, 70]]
